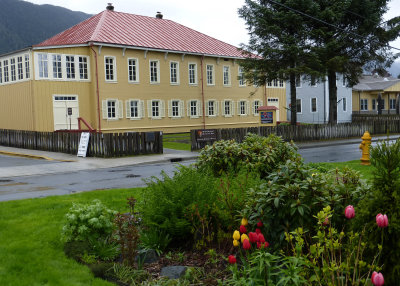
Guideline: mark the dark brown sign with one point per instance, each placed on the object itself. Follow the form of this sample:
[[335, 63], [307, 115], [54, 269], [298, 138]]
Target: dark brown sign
[[203, 135], [69, 110]]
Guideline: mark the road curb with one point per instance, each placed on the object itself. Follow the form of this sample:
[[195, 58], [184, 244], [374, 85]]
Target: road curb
[[30, 156]]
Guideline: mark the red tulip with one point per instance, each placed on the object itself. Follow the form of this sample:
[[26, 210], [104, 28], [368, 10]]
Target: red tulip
[[242, 229], [258, 231], [260, 224], [382, 220], [261, 238], [326, 221], [262, 245], [232, 259], [377, 279], [349, 212], [253, 237], [246, 244]]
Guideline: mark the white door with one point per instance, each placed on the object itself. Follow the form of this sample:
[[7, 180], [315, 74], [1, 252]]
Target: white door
[[66, 112], [274, 102]]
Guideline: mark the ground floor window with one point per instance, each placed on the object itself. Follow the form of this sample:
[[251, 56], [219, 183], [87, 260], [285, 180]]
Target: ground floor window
[[364, 104], [243, 107], [256, 105], [298, 105], [175, 108], [112, 109], [392, 103], [314, 104], [134, 109], [227, 108], [193, 108], [156, 109]]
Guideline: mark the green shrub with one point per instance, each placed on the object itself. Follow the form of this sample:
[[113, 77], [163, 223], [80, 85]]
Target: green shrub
[[155, 239], [384, 197], [294, 192], [255, 153], [88, 222]]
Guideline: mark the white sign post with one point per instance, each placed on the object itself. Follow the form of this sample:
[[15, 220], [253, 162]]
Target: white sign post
[[83, 144]]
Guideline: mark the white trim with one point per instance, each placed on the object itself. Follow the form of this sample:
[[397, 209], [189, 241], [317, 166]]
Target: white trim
[[229, 76], [240, 71], [177, 73], [114, 65], [180, 108], [158, 71], [212, 73], [195, 74], [136, 70]]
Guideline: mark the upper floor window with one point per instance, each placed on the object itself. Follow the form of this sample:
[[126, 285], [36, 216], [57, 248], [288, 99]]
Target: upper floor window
[[13, 70], [20, 69], [174, 72], [57, 67], [210, 75], [83, 68], [241, 77], [344, 82], [154, 72], [133, 70], [110, 68], [227, 75], [314, 104], [27, 67], [313, 81], [70, 62], [6, 75], [298, 80], [281, 83], [363, 104], [192, 73], [1, 73]]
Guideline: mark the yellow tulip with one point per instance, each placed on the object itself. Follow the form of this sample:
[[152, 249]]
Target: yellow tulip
[[236, 243], [243, 237], [244, 221], [236, 235]]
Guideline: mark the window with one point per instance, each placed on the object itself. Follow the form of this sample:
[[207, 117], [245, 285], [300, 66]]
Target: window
[[57, 69], [256, 105], [83, 68], [344, 102], [133, 70], [392, 103], [174, 72], [227, 75], [154, 72], [27, 68], [6, 75], [134, 109], [13, 71], [20, 69], [193, 108], [1, 73], [210, 75], [43, 68], [110, 68], [212, 108], [241, 77], [242, 107], [344, 82], [275, 83], [112, 109], [70, 61], [298, 105], [363, 104], [155, 108], [374, 104], [313, 81], [298, 80], [175, 108], [281, 83], [314, 104], [192, 74], [227, 108], [382, 103]]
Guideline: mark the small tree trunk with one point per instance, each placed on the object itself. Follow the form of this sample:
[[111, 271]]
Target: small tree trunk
[[293, 105], [332, 97]]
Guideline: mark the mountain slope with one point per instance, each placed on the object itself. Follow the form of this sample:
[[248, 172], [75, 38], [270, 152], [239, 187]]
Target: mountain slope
[[23, 24]]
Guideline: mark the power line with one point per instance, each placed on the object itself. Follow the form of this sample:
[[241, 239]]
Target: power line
[[324, 22]]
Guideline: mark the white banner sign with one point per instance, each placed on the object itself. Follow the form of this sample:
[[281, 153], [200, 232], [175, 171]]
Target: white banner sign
[[83, 144]]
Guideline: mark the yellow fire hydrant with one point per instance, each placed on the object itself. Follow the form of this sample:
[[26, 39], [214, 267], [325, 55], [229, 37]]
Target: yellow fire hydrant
[[364, 146]]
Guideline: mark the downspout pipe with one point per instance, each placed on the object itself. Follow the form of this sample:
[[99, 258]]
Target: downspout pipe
[[202, 92], [97, 88]]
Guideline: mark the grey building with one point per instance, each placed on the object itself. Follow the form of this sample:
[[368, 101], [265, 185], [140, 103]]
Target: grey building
[[313, 101]]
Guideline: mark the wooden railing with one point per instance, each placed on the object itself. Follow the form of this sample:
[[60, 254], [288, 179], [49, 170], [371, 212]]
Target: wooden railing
[[100, 144]]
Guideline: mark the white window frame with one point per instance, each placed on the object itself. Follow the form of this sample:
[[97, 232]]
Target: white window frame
[[255, 106], [243, 105], [173, 70], [192, 73], [374, 102], [215, 108], [118, 106], [20, 68], [6, 71], [83, 68], [311, 105], [27, 69], [110, 77], [231, 108], [392, 106], [139, 106], [226, 76], [364, 104], [210, 73], [133, 69], [43, 65], [301, 106], [282, 83], [1, 72], [194, 105], [154, 74], [57, 66], [13, 69], [298, 81], [151, 108], [241, 78], [179, 108], [70, 66]]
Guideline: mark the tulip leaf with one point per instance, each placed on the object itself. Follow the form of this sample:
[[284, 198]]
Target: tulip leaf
[[300, 210], [276, 202]]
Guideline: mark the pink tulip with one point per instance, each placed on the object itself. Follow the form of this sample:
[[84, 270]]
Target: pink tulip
[[349, 212], [382, 220], [377, 279]]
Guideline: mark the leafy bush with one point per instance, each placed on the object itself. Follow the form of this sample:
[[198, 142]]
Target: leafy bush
[[384, 197], [88, 222], [256, 153], [155, 239], [294, 192]]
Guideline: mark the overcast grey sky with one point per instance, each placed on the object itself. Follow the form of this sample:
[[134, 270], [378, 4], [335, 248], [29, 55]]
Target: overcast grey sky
[[216, 18]]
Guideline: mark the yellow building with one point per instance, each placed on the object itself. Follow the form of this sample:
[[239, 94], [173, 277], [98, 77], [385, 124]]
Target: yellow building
[[122, 72], [372, 90]]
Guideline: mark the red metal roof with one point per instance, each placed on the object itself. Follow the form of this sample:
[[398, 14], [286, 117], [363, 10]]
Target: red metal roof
[[110, 27]]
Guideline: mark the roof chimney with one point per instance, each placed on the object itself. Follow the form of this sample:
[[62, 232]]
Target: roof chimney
[[110, 7], [159, 15]]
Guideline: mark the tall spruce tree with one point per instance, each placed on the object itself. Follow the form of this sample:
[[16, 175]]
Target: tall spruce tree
[[279, 38]]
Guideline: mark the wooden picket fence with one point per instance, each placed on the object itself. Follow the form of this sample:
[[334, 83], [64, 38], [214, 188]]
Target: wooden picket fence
[[308, 132], [100, 144]]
